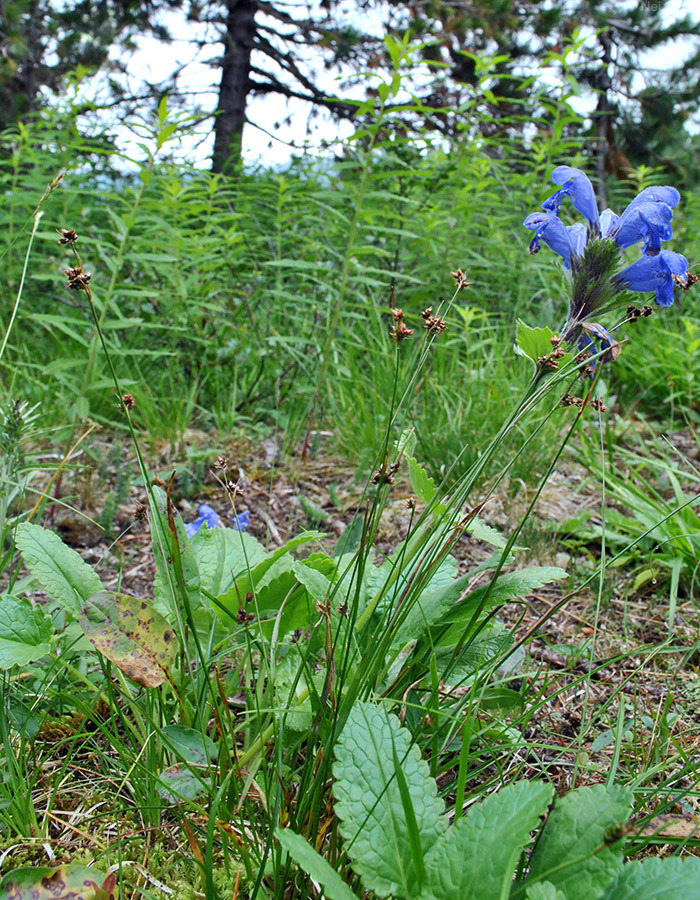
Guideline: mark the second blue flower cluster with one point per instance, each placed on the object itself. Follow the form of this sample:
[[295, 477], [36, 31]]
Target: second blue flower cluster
[[647, 219]]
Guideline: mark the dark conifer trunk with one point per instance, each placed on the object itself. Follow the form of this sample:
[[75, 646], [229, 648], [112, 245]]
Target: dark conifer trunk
[[233, 89]]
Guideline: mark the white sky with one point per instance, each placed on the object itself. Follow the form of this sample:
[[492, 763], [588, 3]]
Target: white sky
[[284, 122]]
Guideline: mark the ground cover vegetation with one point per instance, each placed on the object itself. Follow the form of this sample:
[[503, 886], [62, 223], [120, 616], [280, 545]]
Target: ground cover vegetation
[[349, 549]]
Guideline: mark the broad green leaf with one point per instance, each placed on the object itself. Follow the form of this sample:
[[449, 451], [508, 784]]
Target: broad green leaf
[[569, 853], [223, 553], [477, 857], [180, 782], [507, 587], [62, 883], [190, 745], [25, 632], [247, 580], [544, 890], [657, 879], [59, 570], [311, 862], [132, 634], [532, 342], [369, 804]]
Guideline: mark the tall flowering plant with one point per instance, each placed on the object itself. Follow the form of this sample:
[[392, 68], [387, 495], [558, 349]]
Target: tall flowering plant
[[593, 254]]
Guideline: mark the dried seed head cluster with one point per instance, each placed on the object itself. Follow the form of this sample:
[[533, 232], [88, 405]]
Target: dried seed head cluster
[[434, 324], [598, 404], [385, 474], [635, 312], [234, 489], [78, 280], [68, 236], [548, 362], [461, 279], [129, 401], [141, 512], [399, 331], [570, 400], [411, 503], [221, 463], [686, 281]]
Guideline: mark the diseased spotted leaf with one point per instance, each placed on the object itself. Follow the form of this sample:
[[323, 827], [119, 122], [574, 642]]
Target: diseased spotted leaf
[[62, 883], [131, 634]]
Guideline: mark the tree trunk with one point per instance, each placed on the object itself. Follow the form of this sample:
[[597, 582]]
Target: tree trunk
[[603, 117], [234, 86]]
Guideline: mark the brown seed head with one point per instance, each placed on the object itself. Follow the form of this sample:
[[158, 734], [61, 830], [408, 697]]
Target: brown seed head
[[399, 331], [128, 400], [598, 404], [234, 489], [435, 324], [546, 362], [141, 512], [68, 236], [461, 279], [78, 280], [221, 463]]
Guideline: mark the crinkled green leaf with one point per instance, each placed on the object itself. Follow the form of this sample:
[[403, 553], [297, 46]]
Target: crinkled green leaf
[[25, 632], [132, 634], [62, 883], [369, 804], [569, 853], [247, 580], [60, 571], [657, 879], [477, 857], [311, 862], [507, 587]]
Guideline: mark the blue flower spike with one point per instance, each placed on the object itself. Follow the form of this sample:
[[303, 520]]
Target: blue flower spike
[[592, 251], [206, 515]]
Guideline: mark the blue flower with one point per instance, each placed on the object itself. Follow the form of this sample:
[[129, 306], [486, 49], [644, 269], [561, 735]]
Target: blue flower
[[647, 218], [576, 185], [656, 273], [206, 514], [597, 337], [241, 520]]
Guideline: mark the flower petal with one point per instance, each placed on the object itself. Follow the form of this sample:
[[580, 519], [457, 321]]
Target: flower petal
[[654, 273], [578, 238], [650, 222], [608, 220], [576, 185], [552, 231], [658, 194]]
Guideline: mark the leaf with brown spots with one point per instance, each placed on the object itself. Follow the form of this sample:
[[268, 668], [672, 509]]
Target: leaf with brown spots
[[62, 883], [667, 825], [132, 635]]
